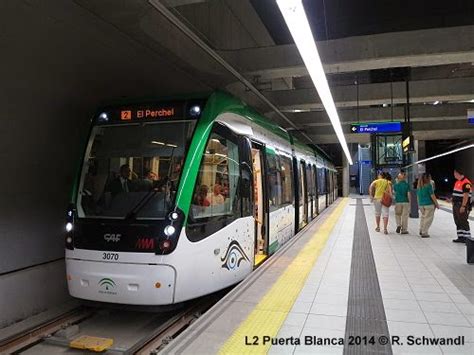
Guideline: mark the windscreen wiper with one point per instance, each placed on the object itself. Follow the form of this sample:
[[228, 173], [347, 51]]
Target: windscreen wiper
[[143, 201]]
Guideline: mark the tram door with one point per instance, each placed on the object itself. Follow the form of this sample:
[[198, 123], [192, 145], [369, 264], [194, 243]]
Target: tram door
[[303, 194], [260, 205], [310, 193], [316, 190]]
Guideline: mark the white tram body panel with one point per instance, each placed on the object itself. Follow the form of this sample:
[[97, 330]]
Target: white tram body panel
[[281, 226], [120, 282], [194, 269], [215, 262]]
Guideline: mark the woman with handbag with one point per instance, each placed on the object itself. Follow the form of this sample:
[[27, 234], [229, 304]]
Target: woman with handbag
[[381, 195], [427, 203]]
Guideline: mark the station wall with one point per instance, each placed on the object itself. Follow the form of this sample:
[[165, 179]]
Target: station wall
[[465, 160], [58, 63]]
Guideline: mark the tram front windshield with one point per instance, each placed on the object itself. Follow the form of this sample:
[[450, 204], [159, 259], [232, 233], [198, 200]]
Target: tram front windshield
[[133, 170]]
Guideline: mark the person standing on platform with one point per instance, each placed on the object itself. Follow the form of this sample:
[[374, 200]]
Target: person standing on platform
[[427, 203], [402, 203], [462, 205], [378, 188]]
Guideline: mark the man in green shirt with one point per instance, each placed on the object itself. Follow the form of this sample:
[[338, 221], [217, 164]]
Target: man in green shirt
[[402, 203], [427, 203]]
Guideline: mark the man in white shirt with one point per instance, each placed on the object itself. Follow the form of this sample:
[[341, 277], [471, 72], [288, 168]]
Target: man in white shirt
[[216, 197]]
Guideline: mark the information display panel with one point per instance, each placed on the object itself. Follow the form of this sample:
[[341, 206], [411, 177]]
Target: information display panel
[[168, 111], [376, 127]]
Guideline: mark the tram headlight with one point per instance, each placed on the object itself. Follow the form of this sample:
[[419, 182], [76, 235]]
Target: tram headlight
[[69, 227], [103, 117], [174, 216], [69, 238], [169, 230], [195, 111]]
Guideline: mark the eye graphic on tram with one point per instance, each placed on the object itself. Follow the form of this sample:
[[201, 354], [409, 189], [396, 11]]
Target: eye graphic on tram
[[234, 256]]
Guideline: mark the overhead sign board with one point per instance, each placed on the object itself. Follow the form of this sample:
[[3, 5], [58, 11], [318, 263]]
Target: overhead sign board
[[470, 116], [376, 127]]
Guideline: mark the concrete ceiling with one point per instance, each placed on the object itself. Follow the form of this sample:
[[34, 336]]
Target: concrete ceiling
[[431, 58], [438, 62]]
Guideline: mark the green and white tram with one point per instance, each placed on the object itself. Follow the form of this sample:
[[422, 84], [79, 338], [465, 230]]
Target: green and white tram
[[182, 198]]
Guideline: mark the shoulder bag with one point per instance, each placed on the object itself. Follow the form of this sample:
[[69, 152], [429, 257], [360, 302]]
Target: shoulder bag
[[387, 197]]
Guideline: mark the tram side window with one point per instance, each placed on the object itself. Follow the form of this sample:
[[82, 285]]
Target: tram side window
[[274, 181], [313, 177], [326, 175], [286, 180], [314, 173], [309, 182], [321, 181], [300, 182], [216, 198]]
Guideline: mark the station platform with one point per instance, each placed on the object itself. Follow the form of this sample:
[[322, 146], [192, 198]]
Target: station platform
[[341, 287]]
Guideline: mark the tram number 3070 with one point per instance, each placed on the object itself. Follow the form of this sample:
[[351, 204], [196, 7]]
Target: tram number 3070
[[110, 256]]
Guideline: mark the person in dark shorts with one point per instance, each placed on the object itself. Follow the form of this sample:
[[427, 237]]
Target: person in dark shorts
[[462, 194]]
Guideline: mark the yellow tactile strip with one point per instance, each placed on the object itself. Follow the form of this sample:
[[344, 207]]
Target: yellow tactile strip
[[270, 313]]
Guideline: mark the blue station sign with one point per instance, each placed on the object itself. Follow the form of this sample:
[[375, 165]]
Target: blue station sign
[[376, 127]]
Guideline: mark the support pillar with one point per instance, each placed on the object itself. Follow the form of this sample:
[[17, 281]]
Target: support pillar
[[345, 176], [412, 175]]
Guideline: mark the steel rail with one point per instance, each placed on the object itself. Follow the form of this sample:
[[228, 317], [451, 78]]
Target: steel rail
[[172, 327], [35, 334]]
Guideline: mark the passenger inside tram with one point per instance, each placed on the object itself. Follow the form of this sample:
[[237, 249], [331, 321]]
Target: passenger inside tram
[[201, 197], [216, 197], [121, 183]]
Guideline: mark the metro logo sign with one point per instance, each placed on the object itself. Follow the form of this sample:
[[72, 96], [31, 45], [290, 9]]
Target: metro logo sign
[[145, 243]]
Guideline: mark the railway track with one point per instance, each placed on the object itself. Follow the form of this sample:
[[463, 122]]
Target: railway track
[[35, 334], [106, 331]]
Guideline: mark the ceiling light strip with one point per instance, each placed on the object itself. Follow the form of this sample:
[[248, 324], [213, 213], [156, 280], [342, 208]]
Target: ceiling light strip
[[440, 155], [297, 22]]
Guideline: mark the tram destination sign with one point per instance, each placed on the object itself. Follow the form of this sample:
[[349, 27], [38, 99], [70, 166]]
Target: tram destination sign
[[150, 112], [376, 127]]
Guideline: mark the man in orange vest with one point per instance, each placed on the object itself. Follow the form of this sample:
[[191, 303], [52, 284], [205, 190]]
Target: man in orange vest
[[462, 205]]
